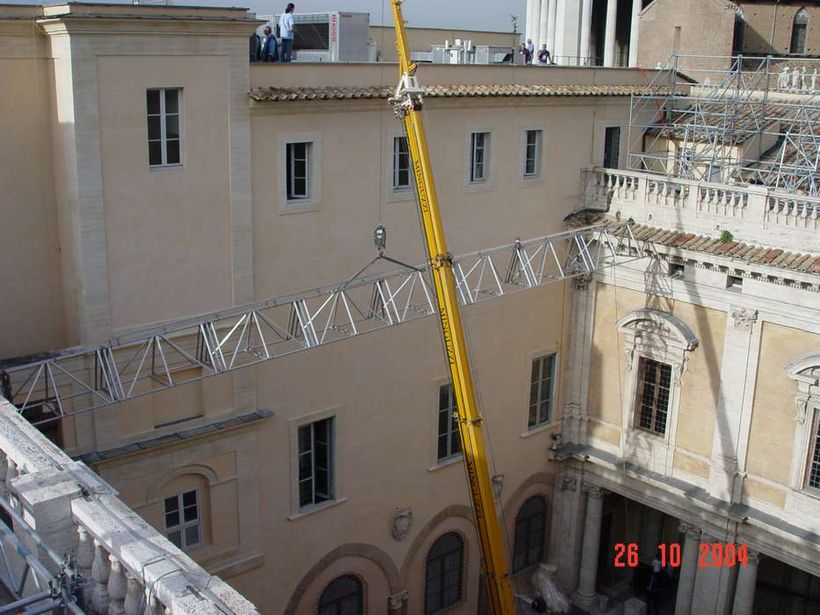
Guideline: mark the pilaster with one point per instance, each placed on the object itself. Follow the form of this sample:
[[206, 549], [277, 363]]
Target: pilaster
[[567, 527]]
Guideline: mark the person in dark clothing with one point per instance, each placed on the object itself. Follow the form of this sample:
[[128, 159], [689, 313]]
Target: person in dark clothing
[[268, 46], [255, 47]]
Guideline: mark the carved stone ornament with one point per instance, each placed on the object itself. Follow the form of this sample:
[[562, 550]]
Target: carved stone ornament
[[594, 491], [397, 600], [568, 483], [400, 522], [690, 530], [582, 281], [802, 405], [743, 318]]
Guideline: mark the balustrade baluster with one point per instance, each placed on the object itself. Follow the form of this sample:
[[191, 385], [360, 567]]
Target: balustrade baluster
[[100, 570], [133, 595], [117, 588], [85, 560]]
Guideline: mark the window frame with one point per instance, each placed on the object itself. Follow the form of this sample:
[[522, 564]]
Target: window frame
[[452, 433], [291, 158], [395, 167], [516, 568], [163, 117], [813, 456], [461, 574], [330, 495], [361, 594], [617, 152], [539, 152], [183, 525], [667, 339], [551, 401], [487, 182], [806, 374], [643, 363], [800, 20], [313, 182]]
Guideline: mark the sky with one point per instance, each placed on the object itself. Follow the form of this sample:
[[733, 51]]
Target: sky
[[451, 14]]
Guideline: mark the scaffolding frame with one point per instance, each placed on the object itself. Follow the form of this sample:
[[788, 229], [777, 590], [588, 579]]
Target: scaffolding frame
[[144, 362], [752, 122]]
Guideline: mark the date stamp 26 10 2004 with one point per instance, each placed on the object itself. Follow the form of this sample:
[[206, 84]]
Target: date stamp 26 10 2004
[[715, 554]]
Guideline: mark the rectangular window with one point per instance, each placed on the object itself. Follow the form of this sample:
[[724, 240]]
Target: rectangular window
[[734, 282], [163, 127], [479, 156], [653, 393], [315, 463], [298, 171], [814, 457], [532, 154], [677, 270], [401, 164], [612, 147], [541, 391], [449, 440], [182, 519]]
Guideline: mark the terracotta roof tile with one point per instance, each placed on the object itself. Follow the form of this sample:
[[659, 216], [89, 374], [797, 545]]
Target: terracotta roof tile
[[749, 253], [277, 94]]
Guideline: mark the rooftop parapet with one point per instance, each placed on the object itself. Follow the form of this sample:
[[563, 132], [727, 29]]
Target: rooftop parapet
[[125, 565]]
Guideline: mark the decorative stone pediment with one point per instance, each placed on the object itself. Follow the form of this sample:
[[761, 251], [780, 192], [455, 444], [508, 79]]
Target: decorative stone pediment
[[806, 372], [650, 321]]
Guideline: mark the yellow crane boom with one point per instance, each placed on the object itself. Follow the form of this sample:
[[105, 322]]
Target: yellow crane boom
[[407, 103]]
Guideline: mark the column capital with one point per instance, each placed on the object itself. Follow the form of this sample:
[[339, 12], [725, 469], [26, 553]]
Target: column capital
[[568, 483], [754, 557], [594, 491], [691, 530], [743, 318]]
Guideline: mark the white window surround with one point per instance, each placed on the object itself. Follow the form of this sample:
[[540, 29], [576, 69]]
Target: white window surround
[[314, 200], [391, 194], [435, 462], [488, 183], [526, 430], [294, 424], [541, 166], [806, 373], [667, 339]]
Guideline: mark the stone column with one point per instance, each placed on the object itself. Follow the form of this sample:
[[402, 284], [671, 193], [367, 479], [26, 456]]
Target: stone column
[[586, 593], [746, 584], [609, 36], [634, 32], [586, 30], [566, 531], [533, 18], [688, 569], [551, 27], [542, 27]]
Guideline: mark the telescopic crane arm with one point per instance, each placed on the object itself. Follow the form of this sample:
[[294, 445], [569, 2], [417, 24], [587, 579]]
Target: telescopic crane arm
[[407, 103]]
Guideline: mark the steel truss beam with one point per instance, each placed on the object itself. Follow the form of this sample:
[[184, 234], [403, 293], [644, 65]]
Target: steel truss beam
[[189, 350]]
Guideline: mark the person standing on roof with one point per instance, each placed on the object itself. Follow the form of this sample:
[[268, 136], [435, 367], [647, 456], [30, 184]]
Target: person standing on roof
[[268, 46], [544, 56], [286, 32]]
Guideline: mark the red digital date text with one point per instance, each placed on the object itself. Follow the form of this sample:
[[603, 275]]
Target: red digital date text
[[715, 555]]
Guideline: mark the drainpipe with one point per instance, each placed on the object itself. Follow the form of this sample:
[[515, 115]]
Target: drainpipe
[[774, 21]]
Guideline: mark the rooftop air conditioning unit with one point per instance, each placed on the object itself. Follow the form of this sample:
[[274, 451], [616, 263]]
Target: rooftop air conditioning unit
[[329, 37]]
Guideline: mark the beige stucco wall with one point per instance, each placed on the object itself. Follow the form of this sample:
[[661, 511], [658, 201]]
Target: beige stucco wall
[[771, 440], [167, 229], [699, 388], [759, 18], [32, 307]]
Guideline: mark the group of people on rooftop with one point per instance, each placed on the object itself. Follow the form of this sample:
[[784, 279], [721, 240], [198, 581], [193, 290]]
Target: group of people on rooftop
[[266, 48], [528, 51]]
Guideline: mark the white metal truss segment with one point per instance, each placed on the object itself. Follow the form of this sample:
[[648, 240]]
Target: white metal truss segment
[[187, 350]]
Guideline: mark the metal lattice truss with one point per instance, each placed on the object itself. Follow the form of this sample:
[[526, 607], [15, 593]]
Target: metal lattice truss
[[185, 351], [745, 126]]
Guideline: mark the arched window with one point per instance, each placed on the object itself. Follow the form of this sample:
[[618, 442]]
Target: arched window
[[344, 596], [444, 581], [800, 27], [530, 525]]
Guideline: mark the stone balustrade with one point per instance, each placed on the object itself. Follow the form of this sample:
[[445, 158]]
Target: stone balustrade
[[754, 214], [126, 566]]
